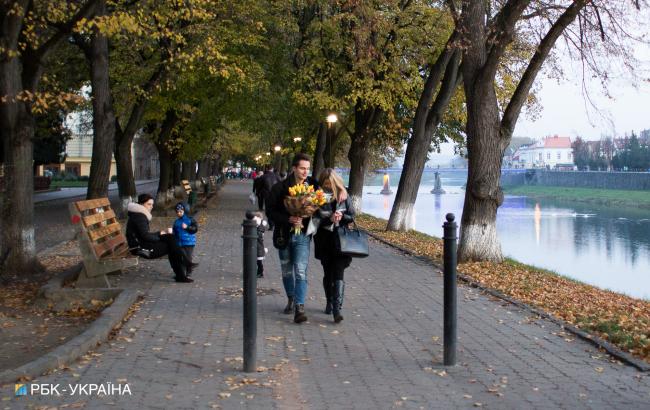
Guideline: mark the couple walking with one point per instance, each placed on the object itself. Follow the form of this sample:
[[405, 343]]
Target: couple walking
[[294, 248]]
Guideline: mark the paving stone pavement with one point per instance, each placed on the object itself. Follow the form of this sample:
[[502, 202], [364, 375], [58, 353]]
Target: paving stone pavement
[[183, 348]]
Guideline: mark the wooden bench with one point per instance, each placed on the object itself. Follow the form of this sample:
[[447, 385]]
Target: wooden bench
[[103, 246], [213, 183], [187, 186]]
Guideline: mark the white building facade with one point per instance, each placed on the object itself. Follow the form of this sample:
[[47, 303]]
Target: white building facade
[[552, 152]]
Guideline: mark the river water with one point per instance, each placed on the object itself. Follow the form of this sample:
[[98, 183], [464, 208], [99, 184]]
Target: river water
[[602, 246]]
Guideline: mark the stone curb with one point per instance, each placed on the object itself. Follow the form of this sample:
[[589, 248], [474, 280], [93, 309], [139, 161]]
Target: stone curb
[[60, 298], [96, 333], [594, 340]]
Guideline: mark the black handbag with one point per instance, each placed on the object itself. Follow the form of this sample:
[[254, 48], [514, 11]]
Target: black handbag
[[352, 241], [280, 237]]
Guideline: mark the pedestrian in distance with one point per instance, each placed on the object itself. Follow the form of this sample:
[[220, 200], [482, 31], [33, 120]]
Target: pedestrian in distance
[[293, 248], [262, 224], [258, 184], [335, 213], [266, 183], [184, 230], [152, 245]]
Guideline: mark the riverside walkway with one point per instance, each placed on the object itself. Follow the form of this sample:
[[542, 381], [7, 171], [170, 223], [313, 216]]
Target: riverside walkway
[[182, 348]]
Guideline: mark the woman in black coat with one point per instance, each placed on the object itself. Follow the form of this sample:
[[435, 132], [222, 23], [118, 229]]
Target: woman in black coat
[[152, 245], [333, 214]]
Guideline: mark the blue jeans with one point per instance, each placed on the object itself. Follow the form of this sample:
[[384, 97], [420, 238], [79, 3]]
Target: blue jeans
[[294, 260]]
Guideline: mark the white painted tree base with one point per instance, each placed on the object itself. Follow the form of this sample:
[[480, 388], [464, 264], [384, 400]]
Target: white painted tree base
[[356, 203], [403, 220], [479, 242]]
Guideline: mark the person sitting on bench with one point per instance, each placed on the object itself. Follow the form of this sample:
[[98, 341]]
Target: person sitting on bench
[[152, 245]]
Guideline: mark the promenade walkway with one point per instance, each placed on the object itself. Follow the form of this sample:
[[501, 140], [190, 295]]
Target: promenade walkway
[[183, 348]]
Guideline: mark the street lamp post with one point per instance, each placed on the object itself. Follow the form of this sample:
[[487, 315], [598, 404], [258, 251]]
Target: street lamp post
[[329, 149], [296, 146], [277, 163]]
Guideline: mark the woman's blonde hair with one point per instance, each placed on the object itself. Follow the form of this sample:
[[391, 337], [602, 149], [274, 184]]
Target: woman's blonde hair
[[328, 174]]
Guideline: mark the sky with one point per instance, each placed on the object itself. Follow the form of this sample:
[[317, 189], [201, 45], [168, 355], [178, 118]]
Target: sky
[[565, 110]]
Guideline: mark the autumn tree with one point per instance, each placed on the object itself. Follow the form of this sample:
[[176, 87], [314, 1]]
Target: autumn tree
[[29, 32], [360, 60], [94, 45], [487, 29], [442, 80], [170, 39]]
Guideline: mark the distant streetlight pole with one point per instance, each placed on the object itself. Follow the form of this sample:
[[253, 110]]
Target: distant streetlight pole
[[278, 159], [296, 146], [329, 149]]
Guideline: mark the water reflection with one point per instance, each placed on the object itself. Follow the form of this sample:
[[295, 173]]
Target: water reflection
[[538, 222], [606, 247]]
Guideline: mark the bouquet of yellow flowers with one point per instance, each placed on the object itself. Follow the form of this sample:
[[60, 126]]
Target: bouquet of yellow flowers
[[303, 200]]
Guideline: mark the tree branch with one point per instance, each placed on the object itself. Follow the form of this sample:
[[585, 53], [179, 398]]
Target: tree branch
[[433, 79], [518, 99], [140, 104], [449, 85], [86, 11], [500, 34]]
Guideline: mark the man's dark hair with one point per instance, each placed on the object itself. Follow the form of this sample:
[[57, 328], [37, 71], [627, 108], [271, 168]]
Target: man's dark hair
[[268, 168], [142, 198], [299, 157]]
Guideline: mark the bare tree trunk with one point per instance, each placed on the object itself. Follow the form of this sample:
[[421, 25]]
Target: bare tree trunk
[[18, 247], [204, 168], [124, 164], [176, 173], [216, 165], [483, 195], [17, 129], [18, 73], [320, 149], [358, 156], [364, 122], [426, 120], [277, 162], [103, 116], [163, 195], [329, 154], [124, 141]]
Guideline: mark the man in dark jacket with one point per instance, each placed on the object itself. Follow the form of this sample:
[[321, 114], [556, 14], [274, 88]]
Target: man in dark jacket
[[152, 245], [267, 180], [257, 190], [293, 248]]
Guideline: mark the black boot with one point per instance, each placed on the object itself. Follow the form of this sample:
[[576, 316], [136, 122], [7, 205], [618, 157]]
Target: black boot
[[299, 314], [289, 308], [339, 288], [260, 269], [327, 286]]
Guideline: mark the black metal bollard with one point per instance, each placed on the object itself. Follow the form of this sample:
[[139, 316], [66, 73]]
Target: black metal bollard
[[250, 293], [449, 256]]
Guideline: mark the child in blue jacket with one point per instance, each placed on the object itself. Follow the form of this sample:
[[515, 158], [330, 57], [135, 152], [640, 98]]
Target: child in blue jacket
[[184, 230]]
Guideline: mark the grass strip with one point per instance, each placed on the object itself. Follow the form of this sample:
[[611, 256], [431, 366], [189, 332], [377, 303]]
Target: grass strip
[[621, 320], [68, 184], [610, 197]]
